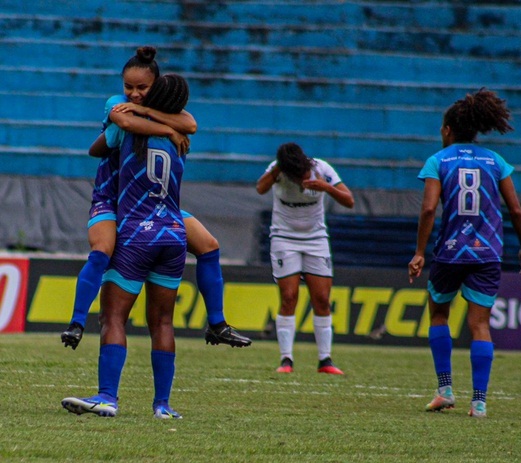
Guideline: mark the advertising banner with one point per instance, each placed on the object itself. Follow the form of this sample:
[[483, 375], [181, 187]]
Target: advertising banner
[[369, 305], [505, 322], [14, 274]]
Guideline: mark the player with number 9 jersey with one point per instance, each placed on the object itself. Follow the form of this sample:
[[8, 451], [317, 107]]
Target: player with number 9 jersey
[[148, 203]]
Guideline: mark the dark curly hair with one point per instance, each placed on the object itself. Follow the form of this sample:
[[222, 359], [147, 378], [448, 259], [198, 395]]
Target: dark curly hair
[[481, 112], [169, 94], [144, 59], [293, 162]]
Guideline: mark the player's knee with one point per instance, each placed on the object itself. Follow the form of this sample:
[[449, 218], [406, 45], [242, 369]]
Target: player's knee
[[211, 244], [321, 307], [203, 246]]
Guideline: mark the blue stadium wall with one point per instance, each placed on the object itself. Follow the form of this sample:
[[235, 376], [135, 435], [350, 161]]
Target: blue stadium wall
[[362, 84]]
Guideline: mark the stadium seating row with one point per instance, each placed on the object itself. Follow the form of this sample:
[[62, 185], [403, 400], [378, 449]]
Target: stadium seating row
[[360, 83]]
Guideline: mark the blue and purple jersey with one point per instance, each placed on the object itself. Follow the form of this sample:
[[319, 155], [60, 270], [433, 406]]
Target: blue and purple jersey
[[148, 196], [105, 193], [472, 224]]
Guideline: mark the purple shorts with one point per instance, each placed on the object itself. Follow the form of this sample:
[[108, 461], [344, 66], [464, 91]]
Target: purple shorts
[[479, 283], [131, 266]]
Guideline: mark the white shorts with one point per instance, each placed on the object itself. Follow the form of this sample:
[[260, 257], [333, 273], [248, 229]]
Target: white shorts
[[290, 257]]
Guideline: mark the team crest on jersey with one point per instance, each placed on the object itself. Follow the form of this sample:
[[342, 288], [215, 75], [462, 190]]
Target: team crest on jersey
[[147, 224], [467, 229], [160, 210], [176, 225]]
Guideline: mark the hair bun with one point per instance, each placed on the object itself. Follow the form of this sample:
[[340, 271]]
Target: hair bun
[[146, 54]]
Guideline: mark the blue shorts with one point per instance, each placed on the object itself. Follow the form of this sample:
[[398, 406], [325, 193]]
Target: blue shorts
[[479, 283], [131, 266], [105, 193]]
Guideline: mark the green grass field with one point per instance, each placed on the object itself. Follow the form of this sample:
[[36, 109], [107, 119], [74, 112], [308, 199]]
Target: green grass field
[[237, 409]]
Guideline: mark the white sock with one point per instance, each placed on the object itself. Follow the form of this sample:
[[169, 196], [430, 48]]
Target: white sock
[[323, 335], [285, 335]]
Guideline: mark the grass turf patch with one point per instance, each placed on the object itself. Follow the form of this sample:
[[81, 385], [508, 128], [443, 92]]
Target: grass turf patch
[[236, 408]]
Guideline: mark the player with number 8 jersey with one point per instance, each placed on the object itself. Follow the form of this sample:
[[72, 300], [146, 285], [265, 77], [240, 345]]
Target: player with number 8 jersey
[[470, 181], [471, 175]]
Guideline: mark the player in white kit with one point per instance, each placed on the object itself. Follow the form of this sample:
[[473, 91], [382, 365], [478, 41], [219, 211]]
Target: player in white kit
[[300, 245]]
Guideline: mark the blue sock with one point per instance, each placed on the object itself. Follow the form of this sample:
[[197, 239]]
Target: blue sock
[[110, 365], [481, 357], [88, 285], [441, 348], [163, 367], [211, 285]]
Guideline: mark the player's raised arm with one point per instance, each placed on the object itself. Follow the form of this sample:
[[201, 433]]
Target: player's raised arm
[[267, 179]]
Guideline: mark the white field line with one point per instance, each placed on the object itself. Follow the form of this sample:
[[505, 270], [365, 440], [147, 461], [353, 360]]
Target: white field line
[[300, 388]]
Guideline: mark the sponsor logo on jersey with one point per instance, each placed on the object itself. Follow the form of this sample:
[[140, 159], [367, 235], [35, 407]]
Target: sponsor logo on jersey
[[147, 225], [285, 203], [450, 244]]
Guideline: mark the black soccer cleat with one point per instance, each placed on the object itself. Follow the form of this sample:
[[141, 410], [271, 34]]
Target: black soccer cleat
[[225, 335], [72, 335]]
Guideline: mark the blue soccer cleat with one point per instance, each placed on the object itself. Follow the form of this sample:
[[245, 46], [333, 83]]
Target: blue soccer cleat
[[101, 405], [163, 411]]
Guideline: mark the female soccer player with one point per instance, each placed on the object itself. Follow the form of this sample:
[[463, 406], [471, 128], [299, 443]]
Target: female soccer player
[[470, 180], [300, 245], [139, 73], [150, 247]]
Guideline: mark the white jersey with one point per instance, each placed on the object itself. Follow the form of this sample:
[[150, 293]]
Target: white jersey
[[299, 213]]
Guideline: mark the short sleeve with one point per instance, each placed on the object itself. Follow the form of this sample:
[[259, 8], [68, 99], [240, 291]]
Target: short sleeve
[[271, 166], [109, 104], [504, 167], [328, 173], [114, 136], [430, 169]]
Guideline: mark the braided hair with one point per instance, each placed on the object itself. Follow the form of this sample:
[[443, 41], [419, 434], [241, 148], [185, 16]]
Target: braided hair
[[168, 94], [480, 112], [144, 59], [293, 162]]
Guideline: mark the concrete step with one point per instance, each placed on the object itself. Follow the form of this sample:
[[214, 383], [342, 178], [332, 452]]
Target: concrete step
[[456, 15], [299, 65], [346, 90]]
